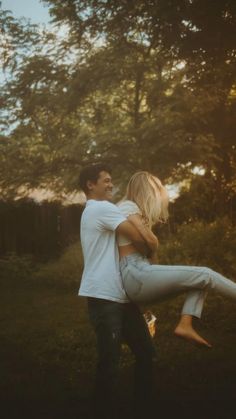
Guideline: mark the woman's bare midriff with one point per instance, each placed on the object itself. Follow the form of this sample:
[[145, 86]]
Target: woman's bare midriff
[[126, 250]]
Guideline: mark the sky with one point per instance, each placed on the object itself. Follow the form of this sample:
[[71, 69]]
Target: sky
[[32, 9]]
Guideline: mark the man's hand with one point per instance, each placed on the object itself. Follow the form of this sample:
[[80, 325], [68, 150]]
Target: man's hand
[[128, 230], [146, 233]]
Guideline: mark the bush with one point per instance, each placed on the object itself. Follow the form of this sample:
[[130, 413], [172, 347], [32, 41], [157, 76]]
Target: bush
[[65, 271], [212, 245], [16, 268]]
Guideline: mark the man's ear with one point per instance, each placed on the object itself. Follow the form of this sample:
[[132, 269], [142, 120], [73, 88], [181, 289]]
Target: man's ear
[[89, 185]]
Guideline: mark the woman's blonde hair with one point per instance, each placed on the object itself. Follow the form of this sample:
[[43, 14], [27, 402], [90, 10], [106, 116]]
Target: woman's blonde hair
[[150, 195]]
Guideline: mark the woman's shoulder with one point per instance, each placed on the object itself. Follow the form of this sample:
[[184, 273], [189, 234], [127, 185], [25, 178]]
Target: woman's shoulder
[[128, 207]]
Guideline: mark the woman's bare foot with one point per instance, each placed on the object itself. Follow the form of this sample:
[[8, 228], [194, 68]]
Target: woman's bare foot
[[187, 332]]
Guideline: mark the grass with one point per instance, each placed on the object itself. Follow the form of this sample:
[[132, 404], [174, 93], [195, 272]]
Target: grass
[[47, 353]]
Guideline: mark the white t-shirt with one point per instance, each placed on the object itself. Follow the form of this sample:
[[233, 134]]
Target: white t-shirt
[[127, 208], [101, 276]]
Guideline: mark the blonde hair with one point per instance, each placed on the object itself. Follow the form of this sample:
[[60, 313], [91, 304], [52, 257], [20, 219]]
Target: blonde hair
[[150, 195]]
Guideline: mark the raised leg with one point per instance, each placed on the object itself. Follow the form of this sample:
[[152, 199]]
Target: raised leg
[[185, 330], [149, 283], [152, 283]]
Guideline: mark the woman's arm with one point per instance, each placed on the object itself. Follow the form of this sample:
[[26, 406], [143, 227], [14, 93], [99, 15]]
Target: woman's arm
[[129, 230], [146, 233]]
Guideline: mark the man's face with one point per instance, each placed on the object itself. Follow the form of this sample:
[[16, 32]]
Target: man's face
[[102, 189]]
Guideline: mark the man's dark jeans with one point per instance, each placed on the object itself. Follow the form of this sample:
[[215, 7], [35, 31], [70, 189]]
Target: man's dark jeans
[[113, 323]]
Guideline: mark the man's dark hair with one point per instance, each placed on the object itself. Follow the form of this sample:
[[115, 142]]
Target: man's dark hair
[[91, 173]]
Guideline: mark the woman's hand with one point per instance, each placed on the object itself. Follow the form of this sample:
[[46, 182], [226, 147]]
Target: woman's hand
[[153, 255], [146, 233]]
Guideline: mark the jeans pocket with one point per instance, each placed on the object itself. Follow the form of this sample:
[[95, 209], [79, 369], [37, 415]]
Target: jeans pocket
[[131, 283]]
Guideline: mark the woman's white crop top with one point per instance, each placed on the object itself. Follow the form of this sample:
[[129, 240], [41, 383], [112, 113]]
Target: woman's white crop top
[[127, 208]]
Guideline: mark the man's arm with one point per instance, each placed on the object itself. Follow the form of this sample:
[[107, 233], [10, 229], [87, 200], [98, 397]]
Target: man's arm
[[147, 234], [128, 230]]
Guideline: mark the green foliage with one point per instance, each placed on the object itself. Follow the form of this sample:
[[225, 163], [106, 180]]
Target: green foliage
[[17, 38], [64, 272], [14, 268], [204, 199], [201, 244], [145, 85]]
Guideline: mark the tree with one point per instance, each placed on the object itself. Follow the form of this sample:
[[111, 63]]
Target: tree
[[142, 84]]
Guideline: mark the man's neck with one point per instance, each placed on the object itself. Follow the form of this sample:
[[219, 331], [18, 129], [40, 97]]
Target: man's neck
[[92, 196]]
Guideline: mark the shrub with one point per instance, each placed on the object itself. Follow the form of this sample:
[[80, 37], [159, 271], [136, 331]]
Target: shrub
[[202, 244], [16, 268], [62, 272], [65, 271]]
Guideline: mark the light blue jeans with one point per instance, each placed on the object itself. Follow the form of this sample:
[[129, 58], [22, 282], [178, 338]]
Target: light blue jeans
[[145, 283]]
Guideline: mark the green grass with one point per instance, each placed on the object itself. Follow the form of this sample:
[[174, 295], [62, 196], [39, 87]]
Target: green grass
[[47, 351]]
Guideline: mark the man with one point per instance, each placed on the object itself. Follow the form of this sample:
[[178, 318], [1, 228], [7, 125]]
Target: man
[[113, 317]]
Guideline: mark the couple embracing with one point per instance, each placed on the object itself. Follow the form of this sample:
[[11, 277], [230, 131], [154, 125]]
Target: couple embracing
[[119, 250]]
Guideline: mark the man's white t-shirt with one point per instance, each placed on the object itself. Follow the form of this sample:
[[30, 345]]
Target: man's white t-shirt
[[101, 276]]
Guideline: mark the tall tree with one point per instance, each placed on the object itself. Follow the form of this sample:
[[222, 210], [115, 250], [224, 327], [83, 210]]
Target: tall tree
[[142, 84]]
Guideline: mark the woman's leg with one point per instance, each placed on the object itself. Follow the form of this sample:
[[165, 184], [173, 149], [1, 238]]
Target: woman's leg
[[184, 329], [148, 283], [193, 304]]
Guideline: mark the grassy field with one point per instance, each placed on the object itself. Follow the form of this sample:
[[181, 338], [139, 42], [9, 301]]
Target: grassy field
[[47, 354]]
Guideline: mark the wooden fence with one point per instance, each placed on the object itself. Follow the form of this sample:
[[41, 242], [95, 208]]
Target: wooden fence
[[42, 230]]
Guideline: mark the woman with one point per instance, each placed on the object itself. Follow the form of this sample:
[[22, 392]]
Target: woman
[[145, 204]]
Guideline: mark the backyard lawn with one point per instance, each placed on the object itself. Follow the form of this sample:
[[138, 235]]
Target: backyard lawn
[[47, 355]]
